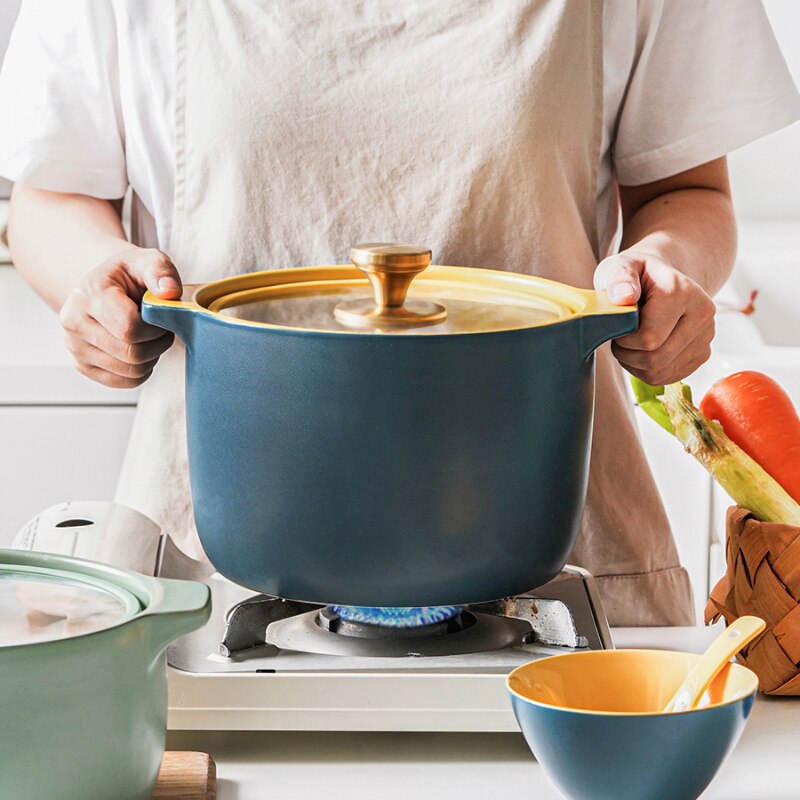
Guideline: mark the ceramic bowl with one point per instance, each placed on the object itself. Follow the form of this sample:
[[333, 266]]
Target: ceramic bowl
[[593, 721]]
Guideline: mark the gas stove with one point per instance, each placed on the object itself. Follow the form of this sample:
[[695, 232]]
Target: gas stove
[[268, 663]]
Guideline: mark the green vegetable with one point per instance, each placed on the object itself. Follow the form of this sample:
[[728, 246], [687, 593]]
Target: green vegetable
[[741, 477], [647, 398]]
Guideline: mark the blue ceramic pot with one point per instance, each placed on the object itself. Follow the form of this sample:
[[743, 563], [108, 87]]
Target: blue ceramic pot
[[594, 723], [369, 468]]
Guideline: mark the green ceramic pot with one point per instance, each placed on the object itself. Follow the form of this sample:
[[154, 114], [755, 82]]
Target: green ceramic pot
[[83, 675]]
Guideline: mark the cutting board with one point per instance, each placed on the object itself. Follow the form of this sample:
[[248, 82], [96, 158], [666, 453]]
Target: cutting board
[[186, 776]]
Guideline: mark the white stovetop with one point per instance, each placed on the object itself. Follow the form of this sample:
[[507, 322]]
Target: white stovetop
[[471, 766]]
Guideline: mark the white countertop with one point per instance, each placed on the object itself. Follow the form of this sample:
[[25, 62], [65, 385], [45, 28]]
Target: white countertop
[[472, 766]]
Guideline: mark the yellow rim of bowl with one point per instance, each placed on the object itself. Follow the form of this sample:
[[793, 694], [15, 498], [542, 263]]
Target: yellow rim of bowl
[[752, 676]]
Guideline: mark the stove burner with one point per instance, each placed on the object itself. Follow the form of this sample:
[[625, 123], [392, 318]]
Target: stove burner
[[392, 617], [323, 632], [329, 619], [564, 613]]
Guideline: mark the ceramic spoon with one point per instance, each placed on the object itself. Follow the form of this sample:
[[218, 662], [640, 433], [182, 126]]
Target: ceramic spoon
[[722, 649]]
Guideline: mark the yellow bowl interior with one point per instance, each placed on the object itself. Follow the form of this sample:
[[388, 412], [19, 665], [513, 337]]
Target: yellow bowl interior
[[622, 681]]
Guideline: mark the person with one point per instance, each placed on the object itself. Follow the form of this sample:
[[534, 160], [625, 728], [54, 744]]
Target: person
[[582, 141]]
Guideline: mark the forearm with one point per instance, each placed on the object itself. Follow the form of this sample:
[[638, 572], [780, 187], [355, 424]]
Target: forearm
[[678, 248], [692, 229], [56, 238]]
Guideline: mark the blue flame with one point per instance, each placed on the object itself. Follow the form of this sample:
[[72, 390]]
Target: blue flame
[[394, 617]]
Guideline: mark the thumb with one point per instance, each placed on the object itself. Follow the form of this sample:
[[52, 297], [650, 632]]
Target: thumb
[[159, 274], [620, 276]]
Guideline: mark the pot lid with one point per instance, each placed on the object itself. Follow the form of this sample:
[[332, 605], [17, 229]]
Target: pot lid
[[394, 292], [45, 605]]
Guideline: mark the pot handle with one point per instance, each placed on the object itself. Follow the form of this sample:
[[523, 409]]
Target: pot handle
[[173, 315], [175, 608], [602, 320]]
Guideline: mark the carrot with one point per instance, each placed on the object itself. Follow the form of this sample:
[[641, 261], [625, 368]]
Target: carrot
[[758, 416]]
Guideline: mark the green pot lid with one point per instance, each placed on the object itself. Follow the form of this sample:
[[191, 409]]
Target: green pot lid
[[46, 605]]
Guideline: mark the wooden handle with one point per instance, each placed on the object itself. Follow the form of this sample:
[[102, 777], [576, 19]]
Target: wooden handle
[[186, 776]]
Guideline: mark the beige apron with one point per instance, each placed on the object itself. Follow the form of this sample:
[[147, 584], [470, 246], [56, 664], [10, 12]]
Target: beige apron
[[472, 127]]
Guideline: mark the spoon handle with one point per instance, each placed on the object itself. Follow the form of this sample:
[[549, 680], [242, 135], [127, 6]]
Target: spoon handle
[[722, 649]]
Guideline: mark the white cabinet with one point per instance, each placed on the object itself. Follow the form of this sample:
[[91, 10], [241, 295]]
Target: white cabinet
[[685, 489], [720, 503], [50, 454], [62, 436], [35, 366]]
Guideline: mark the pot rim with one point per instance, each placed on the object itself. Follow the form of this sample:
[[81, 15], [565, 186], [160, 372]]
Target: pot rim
[[118, 582], [571, 302]]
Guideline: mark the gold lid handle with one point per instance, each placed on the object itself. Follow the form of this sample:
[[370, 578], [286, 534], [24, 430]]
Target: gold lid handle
[[390, 269]]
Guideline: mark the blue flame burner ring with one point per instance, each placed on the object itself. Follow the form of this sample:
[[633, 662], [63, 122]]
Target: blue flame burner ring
[[404, 617]]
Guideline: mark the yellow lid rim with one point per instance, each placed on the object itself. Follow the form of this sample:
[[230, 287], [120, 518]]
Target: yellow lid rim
[[567, 302]]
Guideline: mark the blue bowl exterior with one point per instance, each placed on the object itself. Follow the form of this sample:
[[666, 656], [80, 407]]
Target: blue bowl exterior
[[609, 757]]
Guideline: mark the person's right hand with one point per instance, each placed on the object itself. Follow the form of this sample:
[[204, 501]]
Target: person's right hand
[[103, 326]]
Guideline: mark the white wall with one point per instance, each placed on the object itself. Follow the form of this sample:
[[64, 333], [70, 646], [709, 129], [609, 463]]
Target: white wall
[[765, 175]]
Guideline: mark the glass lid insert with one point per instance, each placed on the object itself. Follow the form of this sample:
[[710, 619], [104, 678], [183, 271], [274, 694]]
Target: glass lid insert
[[385, 298], [315, 312], [43, 606]]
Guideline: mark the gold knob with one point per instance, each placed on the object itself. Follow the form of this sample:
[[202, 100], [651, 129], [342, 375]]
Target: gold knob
[[390, 268]]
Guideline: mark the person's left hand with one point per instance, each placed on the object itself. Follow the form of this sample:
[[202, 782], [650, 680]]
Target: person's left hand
[[676, 316]]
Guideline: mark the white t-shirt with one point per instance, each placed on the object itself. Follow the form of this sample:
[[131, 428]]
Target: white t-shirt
[[87, 90]]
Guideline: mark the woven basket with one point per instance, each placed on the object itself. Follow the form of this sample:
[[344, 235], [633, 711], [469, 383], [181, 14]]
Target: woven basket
[[763, 578]]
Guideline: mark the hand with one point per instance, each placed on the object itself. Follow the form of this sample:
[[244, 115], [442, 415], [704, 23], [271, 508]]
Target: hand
[[103, 327], [676, 322]]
